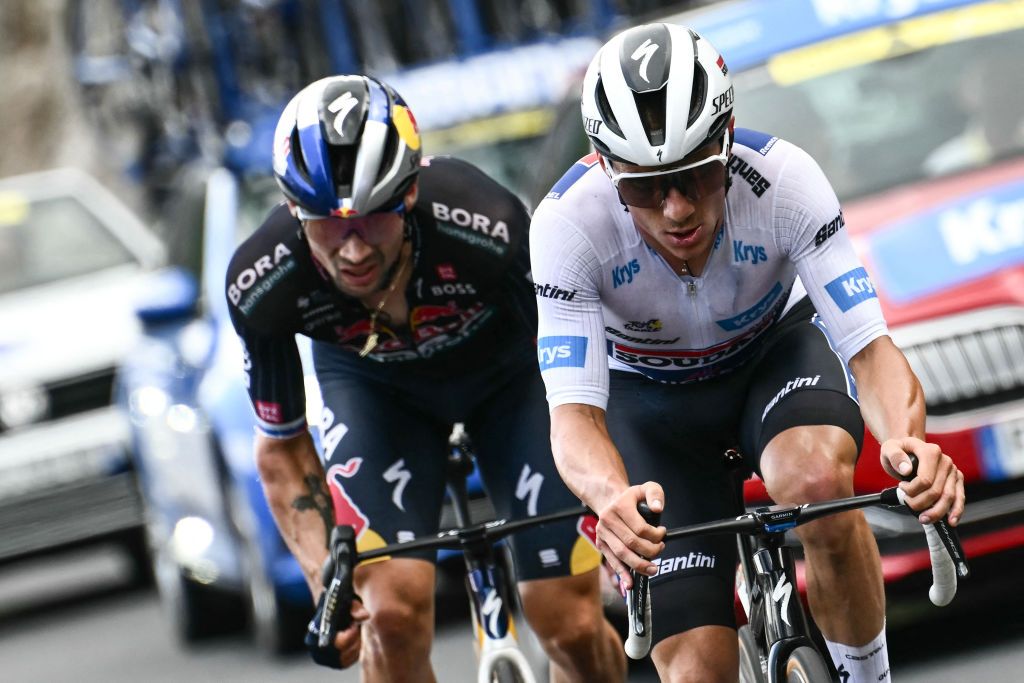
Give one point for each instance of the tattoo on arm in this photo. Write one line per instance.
(319, 499)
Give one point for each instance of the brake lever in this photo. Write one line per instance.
(337, 579)
(946, 533)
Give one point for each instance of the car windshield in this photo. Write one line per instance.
(928, 101)
(45, 240)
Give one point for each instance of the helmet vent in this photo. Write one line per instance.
(390, 150)
(296, 149)
(343, 163)
(651, 107)
(605, 109)
(699, 93)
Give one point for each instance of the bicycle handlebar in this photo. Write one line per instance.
(945, 552)
(338, 569)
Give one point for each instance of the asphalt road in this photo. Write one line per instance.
(79, 621)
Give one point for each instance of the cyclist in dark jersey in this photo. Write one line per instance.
(411, 277)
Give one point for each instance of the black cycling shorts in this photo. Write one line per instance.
(676, 434)
(384, 437)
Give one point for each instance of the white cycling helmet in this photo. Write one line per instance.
(655, 93)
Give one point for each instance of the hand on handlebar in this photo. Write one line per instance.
(624, 538)
(333, 636)
(343, 651)
(937, 490)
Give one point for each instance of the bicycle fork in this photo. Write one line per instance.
(493, 622)
(775, 603)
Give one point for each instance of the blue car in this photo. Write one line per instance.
(216, 553)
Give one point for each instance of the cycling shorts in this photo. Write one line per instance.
(676, 434)
(384, 437)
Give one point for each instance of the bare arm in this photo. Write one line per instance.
(892, 402)
(592, 468)
(891, 398)
(296, 491)
(585, 456)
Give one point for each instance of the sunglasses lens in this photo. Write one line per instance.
(643, 193)
(695, 183)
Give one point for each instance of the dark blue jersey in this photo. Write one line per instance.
(470, 298)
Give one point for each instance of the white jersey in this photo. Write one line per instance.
(607, 300)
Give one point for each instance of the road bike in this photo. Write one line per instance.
(780, 641)
(490, 576)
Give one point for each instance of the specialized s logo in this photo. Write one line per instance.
(781, 594)
(561, 352)
(342, 106)
(623, 275)
(643, 55)
(744, 253)
(851, 288)
(399, 475)
(528, 489)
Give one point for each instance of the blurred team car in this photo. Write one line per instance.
(217, 556)
(915, 110)
(71, 256)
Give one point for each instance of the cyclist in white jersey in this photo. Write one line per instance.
(697, 290)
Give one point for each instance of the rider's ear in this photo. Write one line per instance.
(412, 194)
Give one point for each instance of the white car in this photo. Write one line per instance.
(72, 257)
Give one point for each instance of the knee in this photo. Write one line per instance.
(401, 616)
(808, 464)
(812, 479)
(405, 624)
(574, 635)
(569, 622)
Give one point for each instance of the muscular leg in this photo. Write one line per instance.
(399, 595)
(707, 654)
(844, 572)
(567, 616)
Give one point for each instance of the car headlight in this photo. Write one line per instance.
(23, 405)
(149, 401)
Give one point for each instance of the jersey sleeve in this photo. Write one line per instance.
(570, 343)
(273, 378)
(810, 227)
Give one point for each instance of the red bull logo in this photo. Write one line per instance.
(345, 509)
(585, 555)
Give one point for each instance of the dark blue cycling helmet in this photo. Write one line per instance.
(346, 146)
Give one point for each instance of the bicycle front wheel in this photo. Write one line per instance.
(805, 665)
(505, 672)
